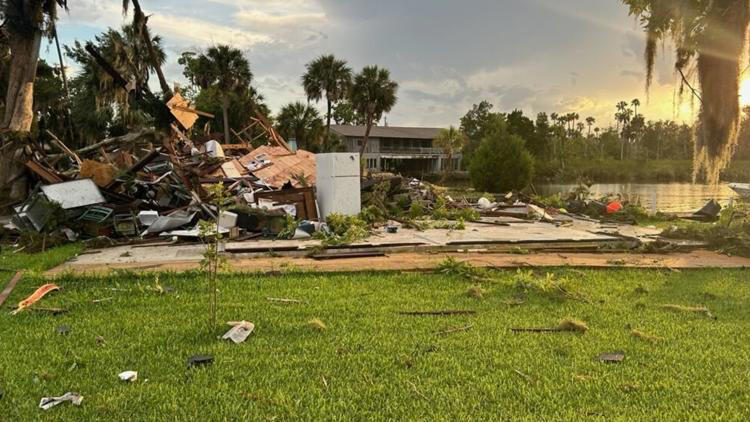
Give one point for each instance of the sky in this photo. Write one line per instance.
(535, 55)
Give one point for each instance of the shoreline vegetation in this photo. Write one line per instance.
(611, 171)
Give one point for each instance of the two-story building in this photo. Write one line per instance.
(402, 149)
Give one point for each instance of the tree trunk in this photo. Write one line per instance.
(19, 99)
(367, 138)
(225, 112)
(328, 126)
(18, 116)
(143, 20)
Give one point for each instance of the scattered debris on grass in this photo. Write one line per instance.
(573, 325)
(199, 360)
(49, 402)
(283, 300)
(35, 297)
(130, 376)
(106, 299)
(643, 336)
(455, 330)
(445, 312)
(566, 325)
(416, 390)
(525, 376)
(514, 301)
(550, 285)
(239, 332)
(476, 292)
(688, 309)
(316, 324)
(614, 357)
(454, 267)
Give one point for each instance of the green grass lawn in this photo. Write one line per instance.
(11, 262)
(372, 363)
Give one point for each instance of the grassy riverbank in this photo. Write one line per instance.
(372, 362)
(630, 171)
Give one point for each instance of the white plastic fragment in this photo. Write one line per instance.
(128, 376)
(49, 402)
(239, 332)
(485, 203)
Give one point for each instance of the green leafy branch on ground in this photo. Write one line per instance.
(730, 235)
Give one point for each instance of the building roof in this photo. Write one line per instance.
(284, 165)
(387, 132)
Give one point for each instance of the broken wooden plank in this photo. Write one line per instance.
(46, 174)
(9, 288)
(442, 312)
(346, 255)
(60, 144)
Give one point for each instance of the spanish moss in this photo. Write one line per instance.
(712, 38)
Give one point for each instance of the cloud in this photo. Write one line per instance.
(263, 19)
(200, 32)
(535, 55)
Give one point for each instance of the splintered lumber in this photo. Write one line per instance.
(43, 172)
(442, 312)
(64, 147)
(128, 138)
(9, 288)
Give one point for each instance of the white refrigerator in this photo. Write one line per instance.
(338, 183)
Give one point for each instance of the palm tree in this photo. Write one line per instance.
(590, 122)
(301, 122)
(623, 119)
(222, 68)
(635, 103)
(373, 93)
(93, 88)
(328, 75)
(450, 140)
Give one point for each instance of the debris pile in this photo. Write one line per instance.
(145, 184)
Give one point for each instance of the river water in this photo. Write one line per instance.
(667, 197)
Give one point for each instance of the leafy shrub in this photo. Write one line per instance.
(501, 163)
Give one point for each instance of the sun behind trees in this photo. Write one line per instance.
(710, 37)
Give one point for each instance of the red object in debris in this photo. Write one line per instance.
(614, 207)
(38, 294)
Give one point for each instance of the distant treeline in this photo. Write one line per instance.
(567, 147)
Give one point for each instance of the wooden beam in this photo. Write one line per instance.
(192, 110)
(9, 288)
(43, 172)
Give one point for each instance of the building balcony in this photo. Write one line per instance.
(411, 151)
